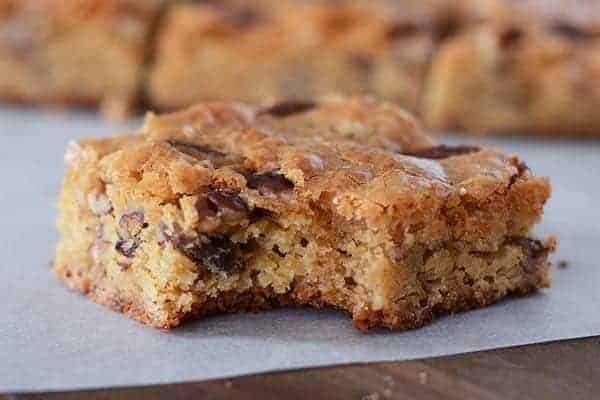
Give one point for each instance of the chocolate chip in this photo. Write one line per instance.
(343, 252)
(349, 281)
(193, 149)
(259, 213)
(533, 250)
(278, 251)
(269, 182)
(442, 151)
(287, 108)
(511, 37)
(303, 242)
(219, 199)
(401, 30)
(569, 31)
(127, 247)
(218, 254)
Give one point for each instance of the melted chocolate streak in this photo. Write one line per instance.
(443, 151)
(181, 145)
(287, 108)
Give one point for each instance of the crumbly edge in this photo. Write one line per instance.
(508, 276)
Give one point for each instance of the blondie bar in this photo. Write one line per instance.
(518, 75)
(257, 50)
(79, 52)
(340, 202)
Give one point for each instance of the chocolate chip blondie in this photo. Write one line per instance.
(77, 52)
(257, 50)
(340, 202)
(520, 74)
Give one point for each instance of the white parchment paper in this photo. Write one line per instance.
(52, 338)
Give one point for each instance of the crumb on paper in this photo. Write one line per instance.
(423, 377)
(562, 264)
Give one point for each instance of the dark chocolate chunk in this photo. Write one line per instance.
(534, 250)
(569, 31)
(259, 213)
(127, 247)
(511, 37)
(442, 151)
(287, 108)
(402, 30)
(269, 182)
(225, 199)
(349, 282)
(218, 254)
(343, 252)
(193, 149)
(278, 251)
(303, 242)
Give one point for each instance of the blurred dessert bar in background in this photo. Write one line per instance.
(518, 66)
(518, 74)
(75, 52)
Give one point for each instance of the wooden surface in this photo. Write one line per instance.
(563, 370)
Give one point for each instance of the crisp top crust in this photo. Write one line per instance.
(325, 137)
(303, 124)
(362, 159)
